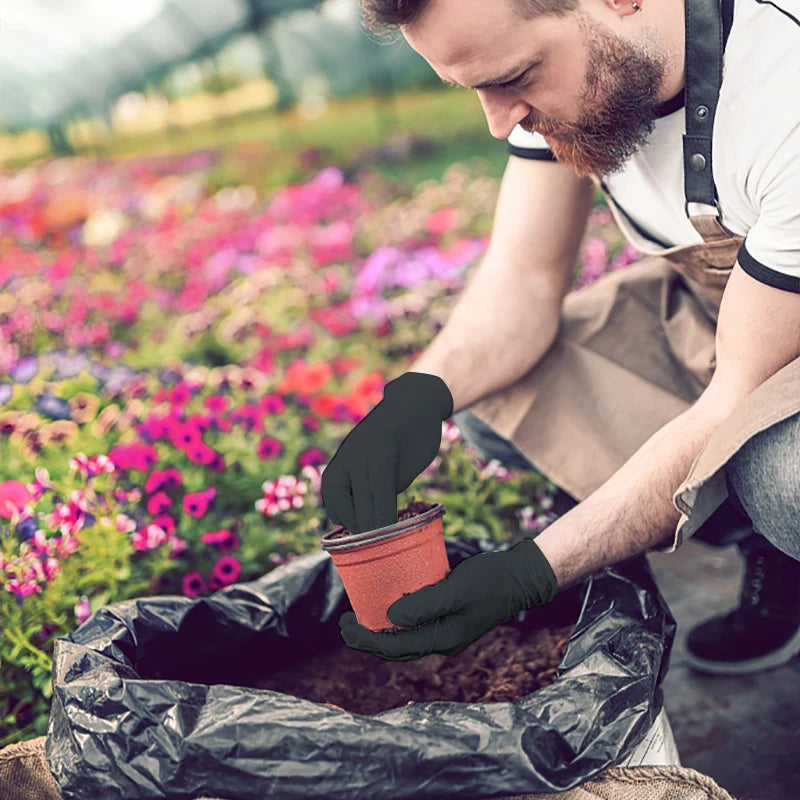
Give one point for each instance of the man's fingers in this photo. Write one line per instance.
(337, 497)
(383, 486)
(388, 645)
(362, 502)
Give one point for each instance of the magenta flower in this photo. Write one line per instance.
(201, 422)
(223, 424)
(163, 480)
(158, 503)
(264, 361)
(312, 457)
(269, 448)
(248, 416)
(200, 453)
(216, 403)
(176, 546)
(13, 497)
(197, 504)
(310, 423)
(134, 456)
(224, 540)
(89, 467)
(150, 538)
(154, 428)
(225, 572)
(82, 610)
(166, 522)
(22, 588)
(272, 404)
(218, 463)
(180, 395)
(183, 435)
(193, 584)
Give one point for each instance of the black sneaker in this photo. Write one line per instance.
(763, 631)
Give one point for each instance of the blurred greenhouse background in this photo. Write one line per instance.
(80, 77)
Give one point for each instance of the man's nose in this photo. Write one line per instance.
(502, 114)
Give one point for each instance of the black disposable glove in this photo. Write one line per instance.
(385, 452)
(480, 592)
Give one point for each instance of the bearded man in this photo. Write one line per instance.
(664, 399)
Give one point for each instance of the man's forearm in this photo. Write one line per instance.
(499, 328)
(633, 510)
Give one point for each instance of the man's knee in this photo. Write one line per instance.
(764, 478)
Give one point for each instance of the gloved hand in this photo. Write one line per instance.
(385, 452)
(480, 592)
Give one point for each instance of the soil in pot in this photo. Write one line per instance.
(508, 662)
(413, 509)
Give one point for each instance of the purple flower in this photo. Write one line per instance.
(82, 610)
(25, 370)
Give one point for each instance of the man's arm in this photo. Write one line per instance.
(508, 315)
(758, 332)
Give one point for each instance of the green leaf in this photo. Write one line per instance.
(99, 600)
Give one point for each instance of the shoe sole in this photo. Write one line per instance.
(777, 658)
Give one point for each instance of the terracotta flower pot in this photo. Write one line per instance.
(380, 566)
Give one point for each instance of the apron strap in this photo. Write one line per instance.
(706, 36)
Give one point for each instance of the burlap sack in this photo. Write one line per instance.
(24, 775)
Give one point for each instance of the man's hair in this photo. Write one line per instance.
(386, 16)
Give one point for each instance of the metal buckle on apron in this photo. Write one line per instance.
(716, 205)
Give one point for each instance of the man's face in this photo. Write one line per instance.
(593, 88)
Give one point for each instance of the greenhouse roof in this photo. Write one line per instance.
(61, 57)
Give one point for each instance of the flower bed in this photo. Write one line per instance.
(178, 365)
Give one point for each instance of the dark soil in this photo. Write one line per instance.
(508, 662)
(413, 509)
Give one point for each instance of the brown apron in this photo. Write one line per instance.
(637, 347)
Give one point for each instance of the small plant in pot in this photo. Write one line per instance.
(378, 567)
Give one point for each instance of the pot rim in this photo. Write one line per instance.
(378, 534)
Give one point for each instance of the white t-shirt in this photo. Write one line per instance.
(755, 151)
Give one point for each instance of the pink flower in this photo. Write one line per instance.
(166, 522)
(13, 497)
(248, 416)
(149, 539)
(154, 428)
(281, 495)
(443, 220)
(22, 588)
(312, 457)
(82, 610)
(217, 464)
(310, 423)
(124, 524)
(89, 467)
(216, 403)
(163, 480)
(134, 456)
(225, 572)
(197, 504)
(183, 435)
(201, 453)
(201, 422)
(180, 395)
(269, 448)
(224, 540)
(158, 503)
(193, 584)
(176, 546)
(271, 404)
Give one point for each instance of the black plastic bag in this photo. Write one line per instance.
(143, 704)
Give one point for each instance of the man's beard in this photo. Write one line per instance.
(620, 98)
